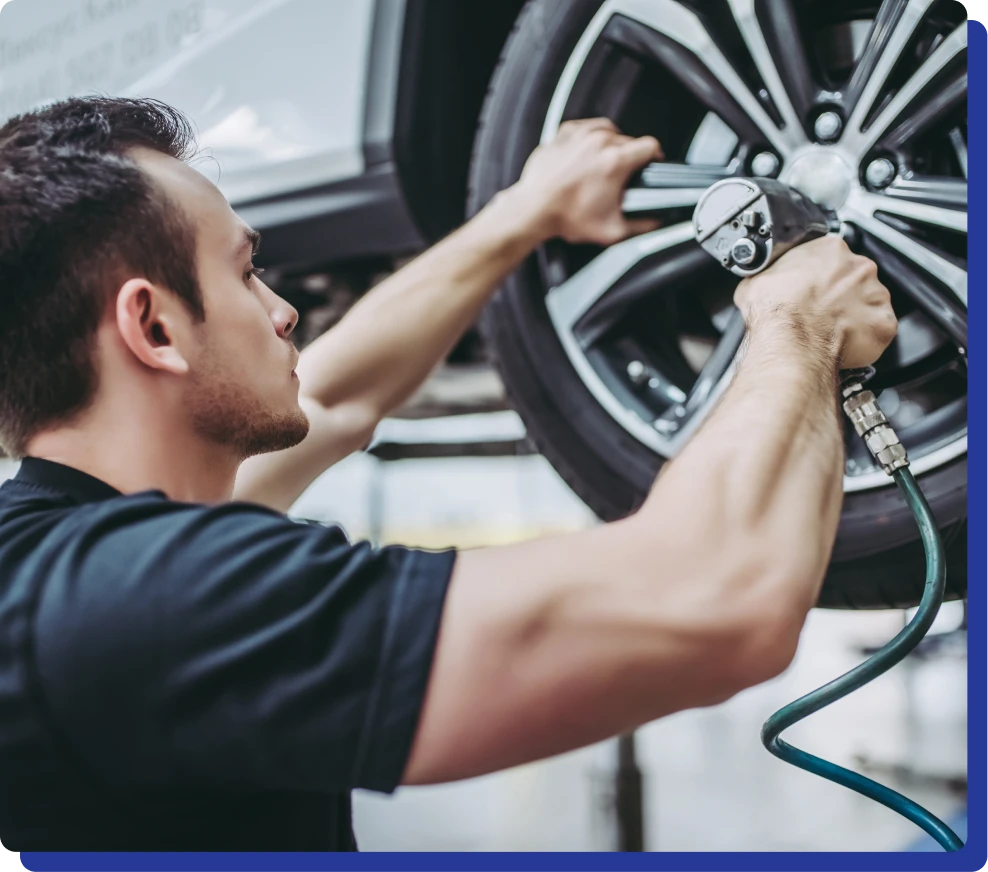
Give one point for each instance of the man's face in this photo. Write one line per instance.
(242, 388)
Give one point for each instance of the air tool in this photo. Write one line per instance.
(748, 224)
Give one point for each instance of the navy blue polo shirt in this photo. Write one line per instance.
(187, 677)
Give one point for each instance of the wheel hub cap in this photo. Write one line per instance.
(823, 176)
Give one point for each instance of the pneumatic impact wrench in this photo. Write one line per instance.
(748, 224)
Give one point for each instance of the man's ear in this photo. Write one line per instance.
(150, 320)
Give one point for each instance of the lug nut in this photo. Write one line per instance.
(827, 126)
(744, 252)
(765, 164)
(637, 372)
(880, 172)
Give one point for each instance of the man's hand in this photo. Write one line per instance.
(831, 294)
(576, 182)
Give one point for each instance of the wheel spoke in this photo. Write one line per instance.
(675, 36)
(930, 189)
(569, 302)
(951, 219)
(940, 103)
(960, 148)
(882, 27)
(781, 20)
(664, 186)
(858, 142)
(881, 54)
(860, 210)
(681, 421)
(944, 312)
(639, 200)
(685, 264)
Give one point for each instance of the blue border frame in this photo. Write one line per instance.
(974, 854)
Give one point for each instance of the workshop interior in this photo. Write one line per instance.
(355, 133)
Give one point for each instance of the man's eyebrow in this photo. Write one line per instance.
(251, 240)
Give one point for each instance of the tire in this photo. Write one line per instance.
(877, 559)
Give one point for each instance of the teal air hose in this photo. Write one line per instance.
(886, 657)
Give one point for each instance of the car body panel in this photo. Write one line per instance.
(275, 88)
(345, 125)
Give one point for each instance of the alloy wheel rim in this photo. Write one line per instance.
(899, 91)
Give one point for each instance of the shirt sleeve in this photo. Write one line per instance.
(232, 648)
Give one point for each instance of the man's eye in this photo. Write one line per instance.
(253, 271)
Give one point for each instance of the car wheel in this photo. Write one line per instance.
(613, 357)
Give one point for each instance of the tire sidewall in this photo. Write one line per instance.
(555, 403)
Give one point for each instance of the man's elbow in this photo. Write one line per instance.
(363, 428)
(760, 632)
(771, 644)
(348, 427)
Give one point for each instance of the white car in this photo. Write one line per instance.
(351, 131)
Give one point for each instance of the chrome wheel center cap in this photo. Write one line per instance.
(823, 176)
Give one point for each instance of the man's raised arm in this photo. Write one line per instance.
(388, 343)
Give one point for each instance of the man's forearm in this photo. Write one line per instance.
(387, 345)
(768, 466)
(555, 643)
(728, 552)
(698, 595)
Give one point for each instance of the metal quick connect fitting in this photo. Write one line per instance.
(870, 423)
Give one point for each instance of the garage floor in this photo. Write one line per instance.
(709, 785)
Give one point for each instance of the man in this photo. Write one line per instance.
(182, 671)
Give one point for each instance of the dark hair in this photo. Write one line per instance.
(78, 217)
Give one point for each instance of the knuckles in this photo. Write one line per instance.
(890, 327)
(866, 267)
(610, 161)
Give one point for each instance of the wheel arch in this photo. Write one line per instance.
(449, 51)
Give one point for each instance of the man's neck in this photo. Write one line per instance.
(183, 467)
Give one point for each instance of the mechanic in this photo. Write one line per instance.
(183, 667)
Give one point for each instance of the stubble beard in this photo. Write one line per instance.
(226, 413)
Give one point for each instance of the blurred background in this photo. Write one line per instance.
(354, 133)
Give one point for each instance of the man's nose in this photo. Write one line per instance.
(285, 317)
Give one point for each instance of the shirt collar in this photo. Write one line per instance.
(79, 485)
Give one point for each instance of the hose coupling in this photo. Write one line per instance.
(870, 423)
